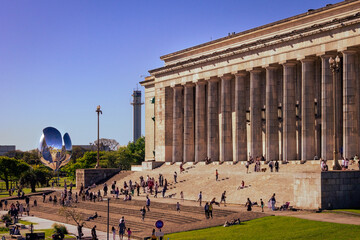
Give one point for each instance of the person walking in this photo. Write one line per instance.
(248, 205)
(129, 233)
(175, 177)
(247, 166)
(277, 166)
(206, 208)
(211, 210)
(223, 197)
(122, 228)
(273, 202)
(105, 189)
(200, 198)
(148, 203)
(216, 175)
(262, 205)
(182, 196)
(271, 165)
(143, 212)
(93, 233)
(113, 230)
(178, 207)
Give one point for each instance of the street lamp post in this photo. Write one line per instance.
(98, 142)
(108, 217)
(335, 68)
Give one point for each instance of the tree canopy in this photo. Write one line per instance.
(124, 157)
(11, 169)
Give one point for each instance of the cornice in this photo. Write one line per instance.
(310, 12)
(259, 44)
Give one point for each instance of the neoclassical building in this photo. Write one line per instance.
(265, 91)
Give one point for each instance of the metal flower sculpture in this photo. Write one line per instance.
(52, 151)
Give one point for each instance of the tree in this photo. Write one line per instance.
(34, 177)
(105, 143)
(77, 217)
(11, 169)
(30, 157)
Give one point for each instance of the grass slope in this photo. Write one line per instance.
(274, 227)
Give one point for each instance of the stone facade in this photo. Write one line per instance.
(266, 91)
(340, 189)
(88, 177)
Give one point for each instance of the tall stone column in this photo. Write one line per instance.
(255, 113)
(189, 124)
(213, 120)
(240, 116)
(177, 147)
(200, 122)
(289, 112)
(226, 137)
(327, 113)
(308, 110)
(271, 116)
(351, 134)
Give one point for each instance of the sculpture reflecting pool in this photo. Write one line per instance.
(52, 151)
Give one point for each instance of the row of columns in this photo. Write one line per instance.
(199, 132)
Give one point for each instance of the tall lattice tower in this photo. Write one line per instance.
(137, 114)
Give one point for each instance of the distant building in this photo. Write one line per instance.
(85, 147)
(92, 147)
(6, 148)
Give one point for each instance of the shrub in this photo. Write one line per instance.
(6, 218)
(60, 229)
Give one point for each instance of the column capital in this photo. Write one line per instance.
(349, 51)
(200, 82)
(177, 87)
(289, 64)
(188, 84)
(241, 74)
(310, 59)
(213, 79)
(326, 56)
(227, 77)
(256, 70)
(271, 67)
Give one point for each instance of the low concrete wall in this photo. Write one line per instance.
(90, 176)
(136, 168)
(149, 165)
(340, 189)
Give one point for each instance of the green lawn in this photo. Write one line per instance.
(6, 193)
(349, 210)
(26, 222)
(274, 227)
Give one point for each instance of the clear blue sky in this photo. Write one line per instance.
(60, 59)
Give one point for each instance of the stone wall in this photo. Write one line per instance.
(327, 190)
(340, 189)
(91, 176)
(307, 190)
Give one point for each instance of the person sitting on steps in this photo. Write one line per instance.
(92, 217)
